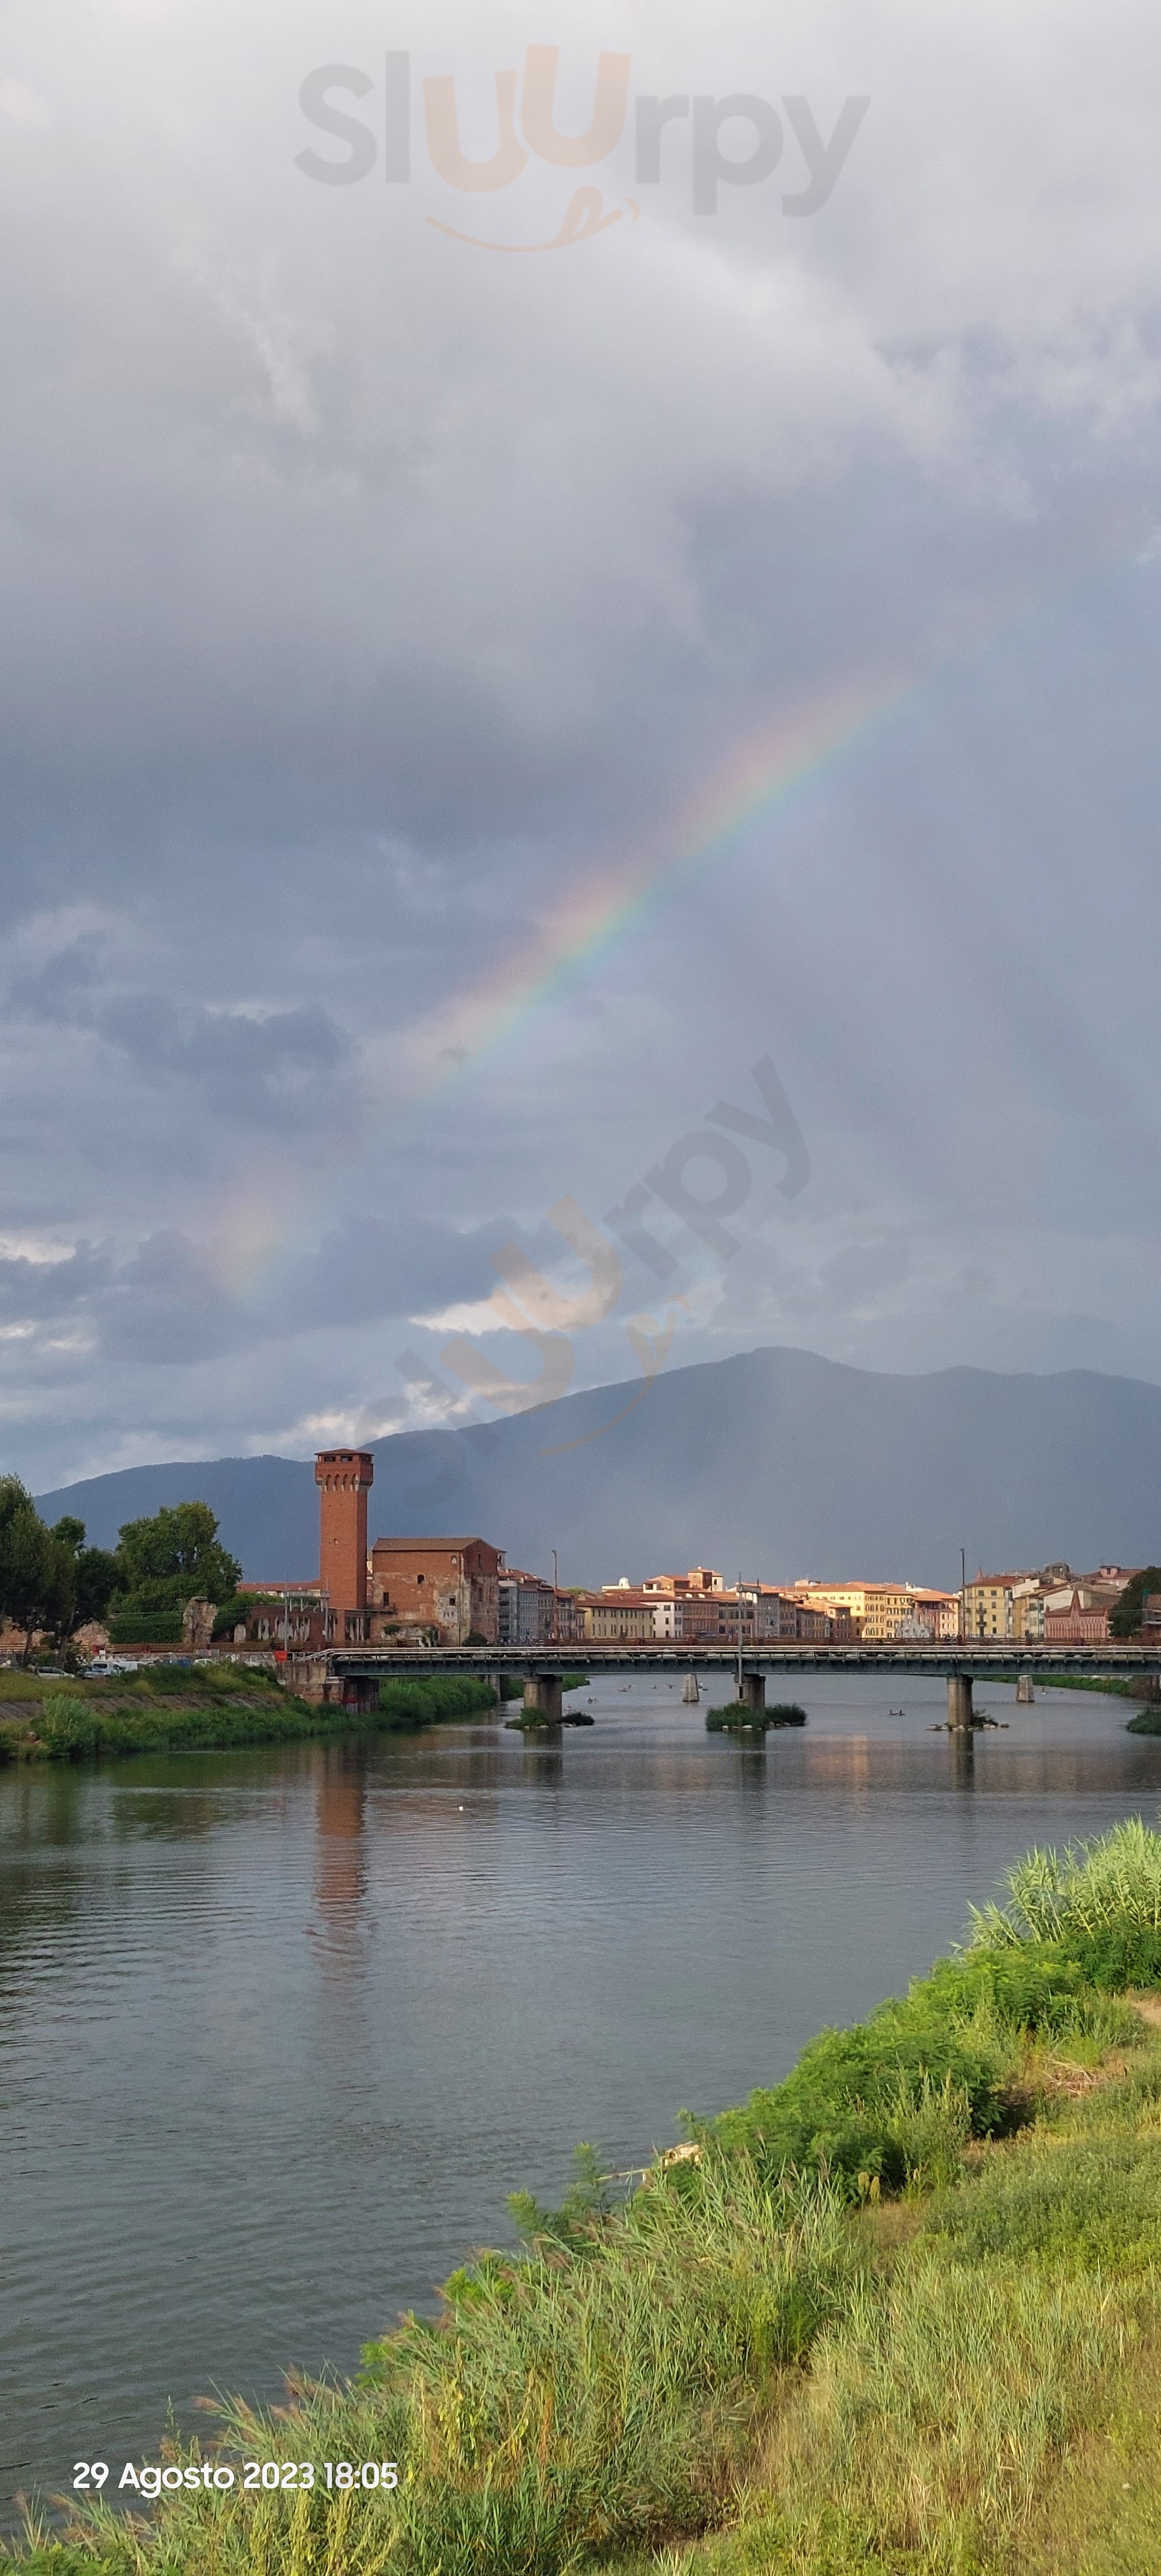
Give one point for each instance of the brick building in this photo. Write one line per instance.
(766, 1614)
(1077, 1622)
(700, 1578)
(448, 1584)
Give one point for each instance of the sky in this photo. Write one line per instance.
(517, 613)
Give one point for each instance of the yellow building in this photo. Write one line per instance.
(1028, 1601)
(994, 1605)
(881, 1609)
(621, 1617)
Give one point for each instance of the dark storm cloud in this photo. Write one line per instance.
(373, 1267)
(166, 1305)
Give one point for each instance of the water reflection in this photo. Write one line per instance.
(341, 1869)
(340, 1810)
(962, 1751)
(847, 1762)
(544, 1757)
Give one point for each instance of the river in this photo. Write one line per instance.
(280, 2028)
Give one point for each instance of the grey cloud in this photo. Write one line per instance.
(47, 1291)
(280, 1068)
(61, 991)
(165, 1304)
(228, 1052)
(372, 610)
(861, 1272)
(371, 1267)
(161, 1303)
(164, 1307)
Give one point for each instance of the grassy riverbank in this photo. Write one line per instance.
(203, 1708)
(406, 1705)
(1137, 1687)
(899, 2313)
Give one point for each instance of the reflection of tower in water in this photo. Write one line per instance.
(340, 1878)
(962, 1744)
(544, 1757)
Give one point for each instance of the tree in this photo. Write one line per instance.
(33, 1565)
(174, 1557)
(96, 1574)
(56, 1609)
(49, 1579)
(1125, 1619)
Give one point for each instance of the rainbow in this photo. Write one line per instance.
(602, 908)
(256, 1224)
(609, 902)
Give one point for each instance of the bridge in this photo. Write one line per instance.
(352, 1674)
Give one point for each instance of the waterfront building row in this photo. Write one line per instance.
(1051, 1607)
(459, 1590)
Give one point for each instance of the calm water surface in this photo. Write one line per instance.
(279, 2029)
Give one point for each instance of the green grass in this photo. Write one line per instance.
(203, 1708)
(772, 2358)
(1092, 2204)
(411, 1704)
(861, 2103)
(1099, 1903)
(1107, 1686)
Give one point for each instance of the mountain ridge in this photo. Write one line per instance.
(776, 1461)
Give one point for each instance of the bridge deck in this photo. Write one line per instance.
(901, 1656)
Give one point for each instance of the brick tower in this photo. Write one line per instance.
(344, 1478)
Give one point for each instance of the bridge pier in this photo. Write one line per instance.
(544, 1697)
(959, 1700)
(752, 1692)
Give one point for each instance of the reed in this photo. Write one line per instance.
(569, 2402)
(736, 1717)
(407, 1704)
(1099, 1902)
